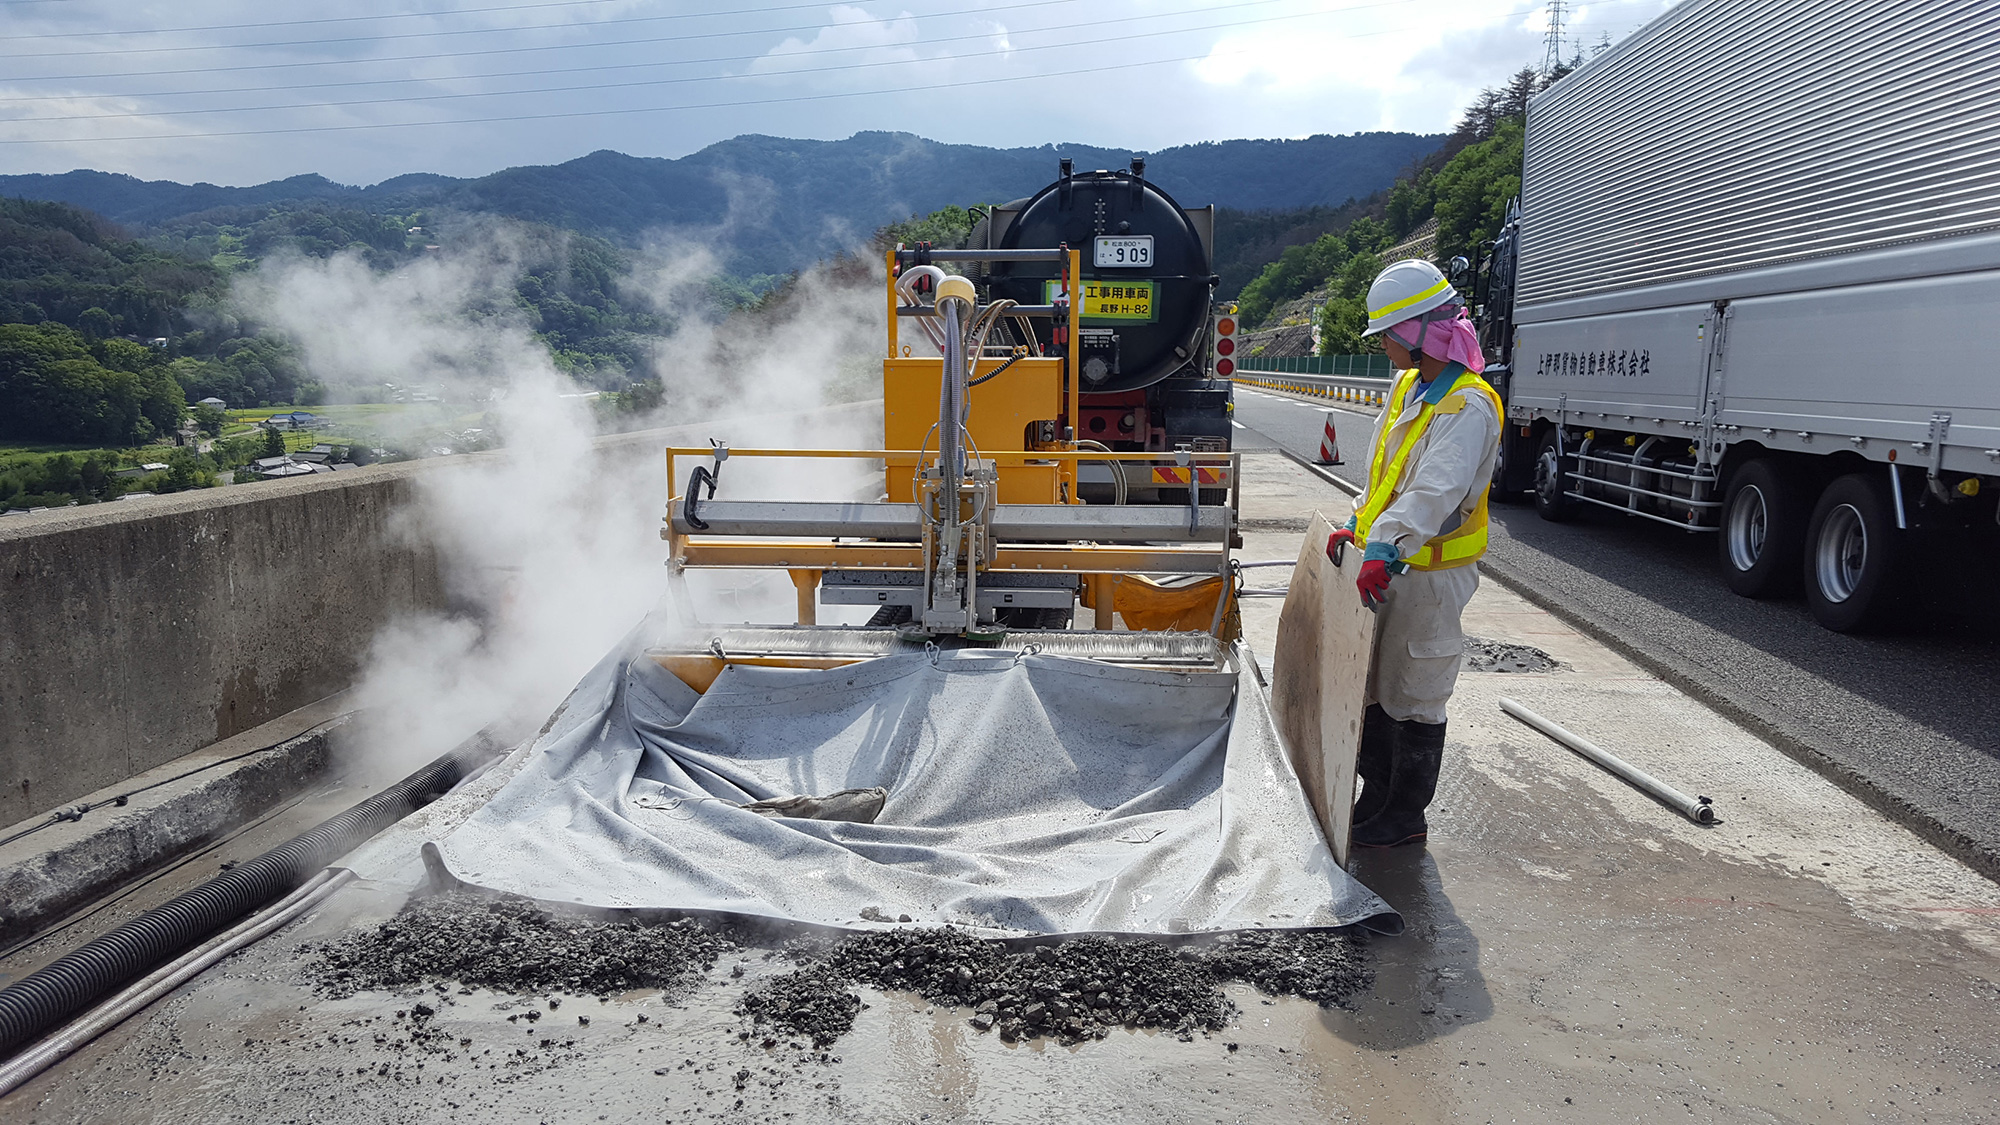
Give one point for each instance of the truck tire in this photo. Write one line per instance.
(1513, 468)
(1551, 482)
(1853, 555)
(1763, 532)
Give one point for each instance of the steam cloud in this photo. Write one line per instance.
(549, 549)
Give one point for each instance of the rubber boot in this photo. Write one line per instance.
(1412, 784)
(1374, 761)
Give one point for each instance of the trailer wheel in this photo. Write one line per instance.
(1853, 551)
(1513, 468)
(1551, 481)
(1763, 530)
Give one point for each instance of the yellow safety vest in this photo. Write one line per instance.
(1464, 543)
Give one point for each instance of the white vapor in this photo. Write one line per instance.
(548, 549)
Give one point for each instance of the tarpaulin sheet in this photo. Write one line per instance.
(1026, 794)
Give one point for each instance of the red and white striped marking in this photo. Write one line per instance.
(1329, 442)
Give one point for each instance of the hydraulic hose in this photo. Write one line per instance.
(1119, 487)
(52, 994)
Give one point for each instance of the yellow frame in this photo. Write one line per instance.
(807, 559)
(1072, 371)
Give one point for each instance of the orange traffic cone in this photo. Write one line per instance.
(1329, 443)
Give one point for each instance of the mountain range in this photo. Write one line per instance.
(772, 204)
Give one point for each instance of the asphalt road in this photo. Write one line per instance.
(1908, 721)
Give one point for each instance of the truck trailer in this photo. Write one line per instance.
(1752, 288)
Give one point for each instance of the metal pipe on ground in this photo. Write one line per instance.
(44, 999)
(1698, 809)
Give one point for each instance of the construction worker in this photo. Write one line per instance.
(1421, 525)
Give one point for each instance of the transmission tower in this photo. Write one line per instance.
(1552, 55)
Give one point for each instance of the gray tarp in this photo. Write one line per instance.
(1027, 793)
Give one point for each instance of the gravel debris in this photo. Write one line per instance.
(814, 1002)
(509, 944)
(1069, 991)
(1326, 968)
(1482, 655)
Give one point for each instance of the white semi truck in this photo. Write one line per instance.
(1752, 289)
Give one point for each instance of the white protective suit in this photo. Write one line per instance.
(1419, 642)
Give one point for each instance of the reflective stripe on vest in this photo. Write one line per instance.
(1462, 544)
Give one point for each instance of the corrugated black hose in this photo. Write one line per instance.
(53, 994)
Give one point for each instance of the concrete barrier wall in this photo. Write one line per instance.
(135, 632)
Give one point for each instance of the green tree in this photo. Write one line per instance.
(187, 469)
(1474, 188)
(209, 420)
(274, 442)
(95, 323)
(1355, 278)
(1410, 203)
(53, 388)
(948, 227)
(1341, 322)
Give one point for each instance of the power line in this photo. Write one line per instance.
(481, 51)
(627, 111)
(353, 19)
(616, 112)
(1095, 41)
(613, 66)
(466, 31)
(1094, 24)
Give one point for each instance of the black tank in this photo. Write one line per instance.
(1140, 322)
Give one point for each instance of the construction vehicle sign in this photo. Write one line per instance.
(1113, 300)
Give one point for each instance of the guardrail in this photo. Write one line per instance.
(1360, 366)
(1358, 390)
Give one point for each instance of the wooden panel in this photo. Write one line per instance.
(1326, 638)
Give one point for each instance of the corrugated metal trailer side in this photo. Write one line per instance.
(1768, 232)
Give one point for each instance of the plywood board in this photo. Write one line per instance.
(1326, 638)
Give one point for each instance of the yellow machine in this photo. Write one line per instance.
(978, 535)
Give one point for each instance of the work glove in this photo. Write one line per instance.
(1373, 583)
(1338, 541)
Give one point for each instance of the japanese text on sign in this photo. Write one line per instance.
(1616, 363)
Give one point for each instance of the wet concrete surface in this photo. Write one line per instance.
(1574, 951)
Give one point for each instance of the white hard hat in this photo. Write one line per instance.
(1406, 289)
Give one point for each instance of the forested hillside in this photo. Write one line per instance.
(103, 337)
(766, 205)
(1466, 185)
(111, 326)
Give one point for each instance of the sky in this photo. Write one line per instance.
(244, 91)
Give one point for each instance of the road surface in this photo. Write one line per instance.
(1910, 722)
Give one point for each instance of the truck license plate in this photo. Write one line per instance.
(1122, 250)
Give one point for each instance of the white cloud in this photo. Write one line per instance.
(1210, 71)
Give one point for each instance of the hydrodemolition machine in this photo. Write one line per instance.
(981, 539)
(968, 757)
